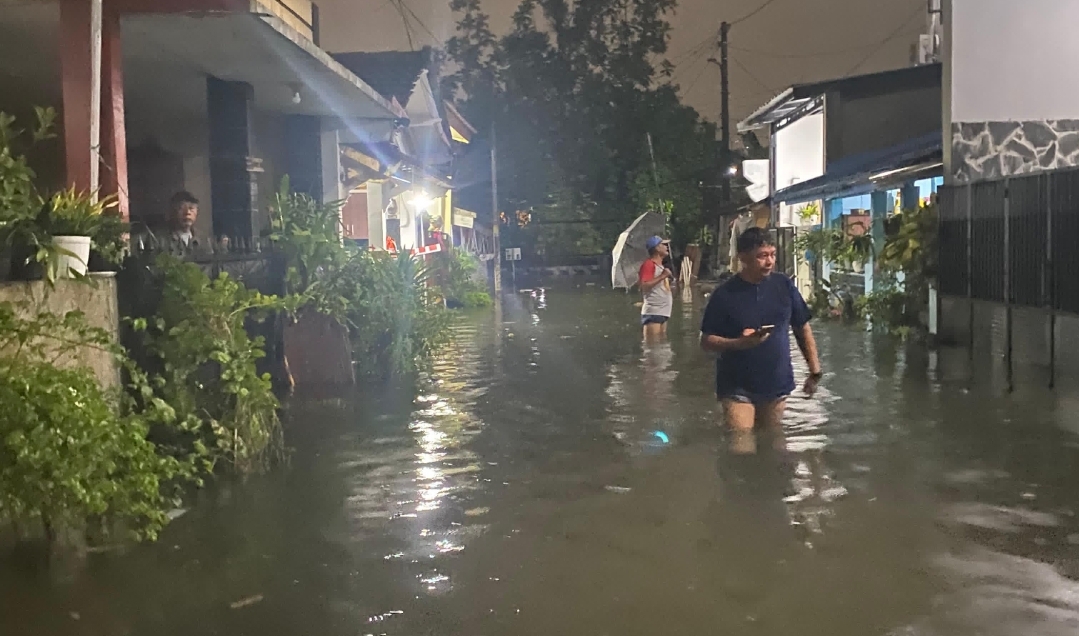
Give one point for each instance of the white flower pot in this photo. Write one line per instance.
(68, 266)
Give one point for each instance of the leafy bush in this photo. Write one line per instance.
(457, 276)
(383, 300)
(207, 362)
(308, 233)
(476, 299)
(69, 449)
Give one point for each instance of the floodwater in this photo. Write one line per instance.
(556, 477)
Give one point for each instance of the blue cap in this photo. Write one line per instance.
(654, 242)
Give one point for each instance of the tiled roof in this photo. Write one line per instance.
(392, 73)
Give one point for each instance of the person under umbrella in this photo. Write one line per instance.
(656, 281)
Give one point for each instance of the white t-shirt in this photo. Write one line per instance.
(660, 300)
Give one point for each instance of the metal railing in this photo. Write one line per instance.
(1013, 242)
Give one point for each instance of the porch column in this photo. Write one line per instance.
(233, 172)
(75, 70)
(332, 187)
(303, 148)
(879, 212)
(376, 219)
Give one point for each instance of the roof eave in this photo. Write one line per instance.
(758, 119)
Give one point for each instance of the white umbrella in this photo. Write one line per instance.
(629, 252)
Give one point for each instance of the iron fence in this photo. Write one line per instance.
(254, 263)
(1012, 244)
(1013, 241)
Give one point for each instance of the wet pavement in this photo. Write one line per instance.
(554, 476)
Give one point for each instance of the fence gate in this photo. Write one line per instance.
(1013, 242)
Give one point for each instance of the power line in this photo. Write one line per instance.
(404, 21)
(695, 52)
(693, 84)
(751, 74)
(753, 12)
(419, 21)
(798, 56)
(891, 36)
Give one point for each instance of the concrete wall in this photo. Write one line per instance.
(1031, 338)
(863, 123)
(97, 301)
(1013, 87)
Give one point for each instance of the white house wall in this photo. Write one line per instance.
(799, 156)
(1014, 87)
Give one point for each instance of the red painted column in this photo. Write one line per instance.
(75, 68)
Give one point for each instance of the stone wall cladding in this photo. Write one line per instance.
(993, 150)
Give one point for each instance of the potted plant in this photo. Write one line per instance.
(859, 250)
(56, 243)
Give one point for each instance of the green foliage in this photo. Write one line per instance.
(19, 198)
(207, 363)
(886, 307)
(477, 299)
(835, 246)
(308, 233)
(29, 220)
(809, 212)
(391, 315)
(907, 264)
(393, 321)
(574, 88)
(69, 449)
(457, 274)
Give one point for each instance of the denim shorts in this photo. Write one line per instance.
(744, 397)
(652, 319)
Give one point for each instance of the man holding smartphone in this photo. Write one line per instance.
(747, 323)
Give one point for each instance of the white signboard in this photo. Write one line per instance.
(463, 218)
(513, 254)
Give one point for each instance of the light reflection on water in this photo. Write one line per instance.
(523, 490)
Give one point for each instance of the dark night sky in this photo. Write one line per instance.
(789, 41)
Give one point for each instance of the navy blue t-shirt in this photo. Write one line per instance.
(763, 372)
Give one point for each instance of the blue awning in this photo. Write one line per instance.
(870, 171)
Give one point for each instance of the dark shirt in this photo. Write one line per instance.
(763, 372)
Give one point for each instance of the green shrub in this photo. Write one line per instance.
(207, 362)
(393, 319)
(457, 275)
(476, 299)
(71, 450)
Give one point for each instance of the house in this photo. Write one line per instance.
(847, 152)
(221, 98)
(1009, 213)
(400, 193)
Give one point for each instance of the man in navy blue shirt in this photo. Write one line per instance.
(747, 322)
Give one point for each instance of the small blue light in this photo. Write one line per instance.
(662, 437)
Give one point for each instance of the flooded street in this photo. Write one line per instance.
(555, 477)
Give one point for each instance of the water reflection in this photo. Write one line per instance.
(506, 498)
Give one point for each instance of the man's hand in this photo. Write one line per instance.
(811, 383)
(667, 273)
(752, 338)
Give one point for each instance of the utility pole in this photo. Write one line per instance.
(496, 221)
(725, 138)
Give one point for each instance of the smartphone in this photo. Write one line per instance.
(766, 329)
